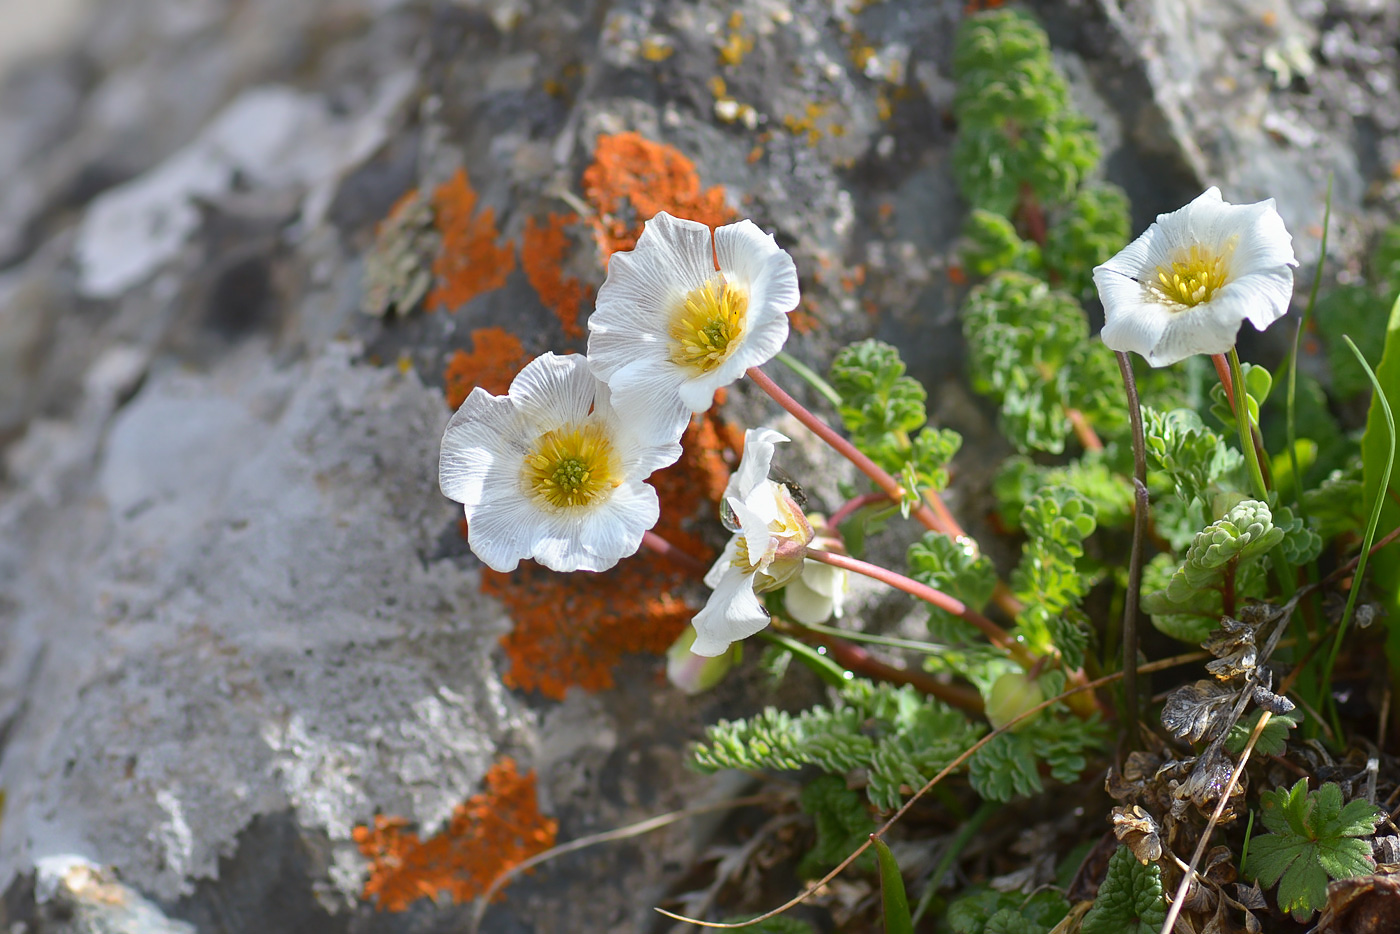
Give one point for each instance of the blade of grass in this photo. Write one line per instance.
(897, 920)
(810, 377)
(1370, 530)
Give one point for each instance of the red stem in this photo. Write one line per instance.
(851, 506)
(1083, 430)
(859, 660)
(998, 636)
(664, 548)
(937, 519)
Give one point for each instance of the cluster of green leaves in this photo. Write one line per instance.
(842, 821)
(983, 910)
(958, 569)
(1096, 476)
(1130, 901)
(1314, 838)
(1029, 348)
(1192, 457)
(884, 413)
(1359, 311)
(1048, 581)
(1227, 556)
(1017, 129)
(900, 739)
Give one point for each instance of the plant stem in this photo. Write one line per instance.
(937, 519)
(852, 506)
(664, 548)
(857, 659)
(1083, 430)
(998, 636)
(1141, 505)
(810, 376)
(1246, 427)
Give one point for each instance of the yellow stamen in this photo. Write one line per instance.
(1194, 277)
(708, 325)
(572, 466)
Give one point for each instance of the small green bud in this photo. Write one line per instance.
(1012, 695)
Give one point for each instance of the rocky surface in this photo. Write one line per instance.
(236, 617)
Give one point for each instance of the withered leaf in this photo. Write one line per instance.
(1137, 830)
(1192, 712)
(1273, 703)
(1207, 781)
(1365, 905)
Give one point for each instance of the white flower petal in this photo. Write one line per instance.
(753, 260)
(554, 390)
(475, 441)
(645, 395)
(723, 563)
(1209, 328)
(733, 612)
(614, 531)
(759, 446)
(754, 515)
(806, 605)
(504, 530)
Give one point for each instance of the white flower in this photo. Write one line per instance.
(550, 472)
(669, 329)
(766, 553)
(818, 595)
(1185, 285)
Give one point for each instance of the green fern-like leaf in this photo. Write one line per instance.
(1191, 455)
(958, 569)
(1048, 580)
(843, 823)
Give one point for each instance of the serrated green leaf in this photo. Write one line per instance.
(958, 569)
(1191, 455)
(1004, 769)
(1272, 741)
(1313, 837)
(1130, 901)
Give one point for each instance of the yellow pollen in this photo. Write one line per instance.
(1194, 277)
(572, 466)
(707, 327)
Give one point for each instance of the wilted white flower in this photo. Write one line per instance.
(820, 592)
(766, 553)
(1184, 286)
(549, 471)
(668, 329)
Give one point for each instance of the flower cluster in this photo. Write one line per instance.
(555, 470)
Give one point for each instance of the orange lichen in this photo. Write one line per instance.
(497, 355)
(488, 834)
(542, 251)
(632, 178)
(571, 630)
(470, 262)
(803, 321)
(956, 275)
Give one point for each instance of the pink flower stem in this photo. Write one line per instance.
(664, 548)
(852, 506)
(998, 636)
(937, 519)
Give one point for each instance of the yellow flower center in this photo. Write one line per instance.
(572, 466)
(1194, 277)
(708, 324)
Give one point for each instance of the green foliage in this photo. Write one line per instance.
(1048, 581)
(1094, 476)
(900, 737)
(1358, 312)
(1009, 765)
(986, 911)
(1191, 455)
(1301, 543)
(991, 244)
(892, 897)
(843, 822)
(1385, 264)
(1258, 381)
(882, 409)
(1018, 133)
(1272, 741)
(1336, 503)
(1246, 533)
(1375, 460)
(958, 569)
(1029, 349)
(1313, 838)
(1093, 227)
(1130, 901)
